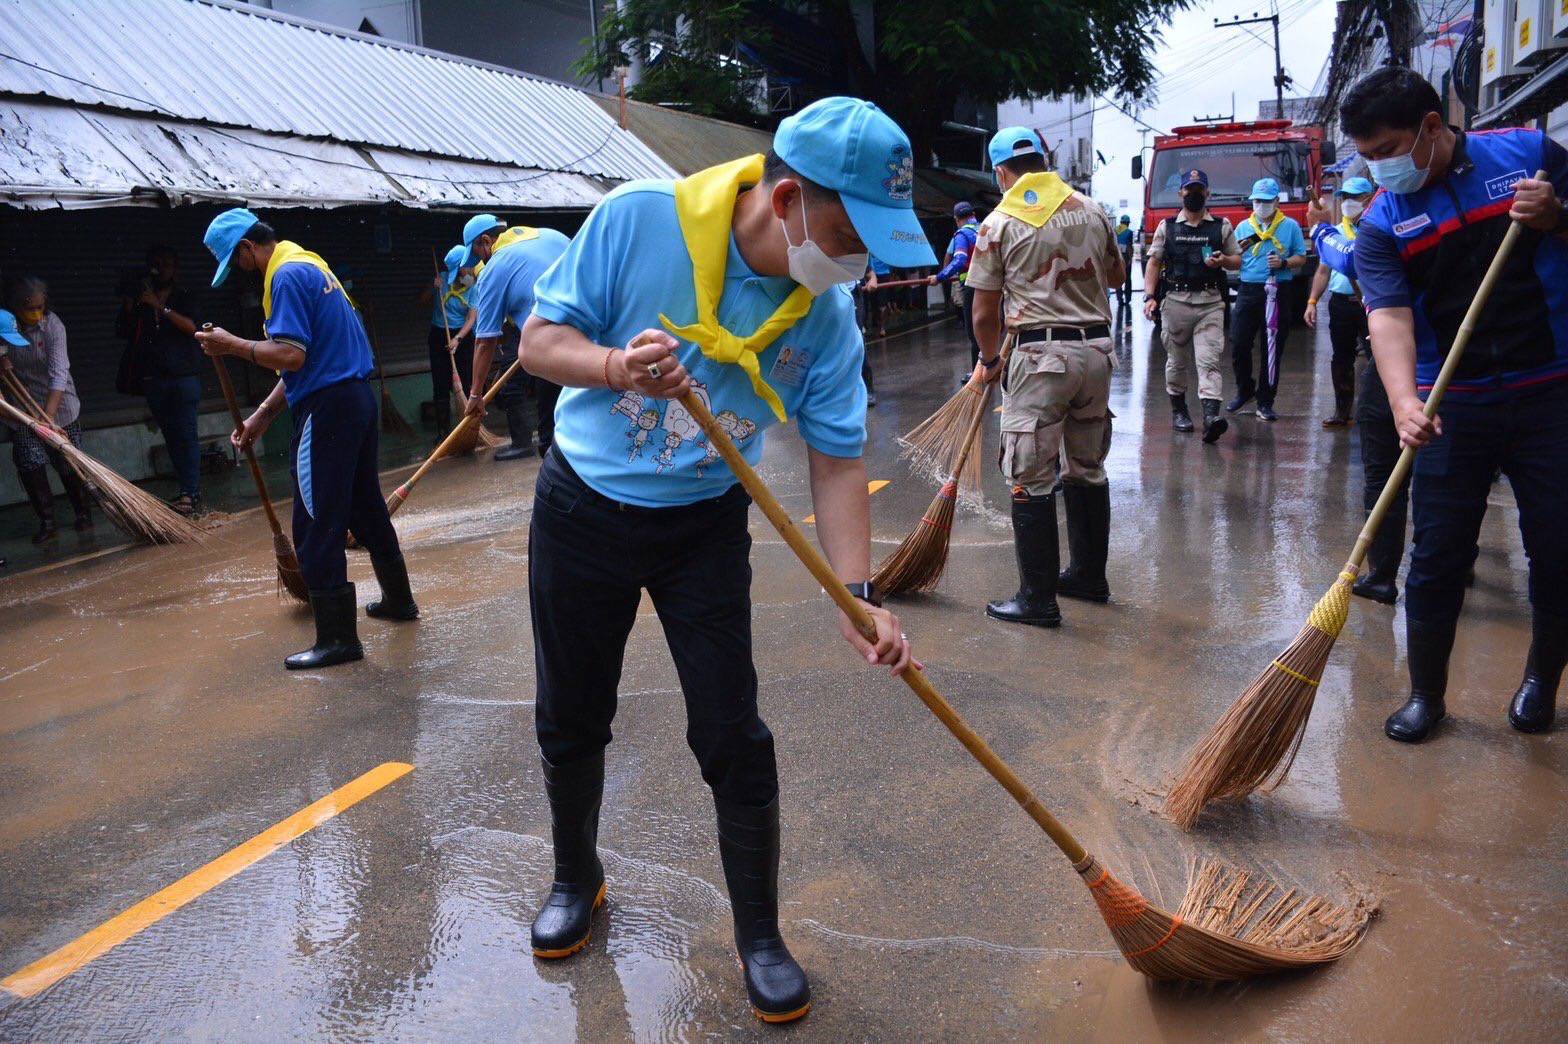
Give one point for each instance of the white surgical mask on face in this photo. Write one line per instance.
(1262, 209)
(1352, 208)
(810, 265)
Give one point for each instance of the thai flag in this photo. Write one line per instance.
(1452, 32)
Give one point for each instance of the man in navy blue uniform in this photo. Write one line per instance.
(314, 340)
(1420, 254)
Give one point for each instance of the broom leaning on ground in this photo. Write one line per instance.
(1254, 743)
(1228, 926)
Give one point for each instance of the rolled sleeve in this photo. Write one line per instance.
(1380, 271)
(1157, 244)
(293, 286)
(832, 414)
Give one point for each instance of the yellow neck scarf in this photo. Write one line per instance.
(515, 234)
(1049, 192)
(284, 253)
(1346, 227)
(705, 205)
(1266, 235)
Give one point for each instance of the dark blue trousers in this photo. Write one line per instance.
(173, 402)
(336, 488)
(1526, 436)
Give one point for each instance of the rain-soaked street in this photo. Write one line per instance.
(147, 728)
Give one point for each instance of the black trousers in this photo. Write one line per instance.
(589, 560)
(441, 366)
(969, 325)
(1379, 453)
(1249, 330)
(336, 488)
(1347, 328)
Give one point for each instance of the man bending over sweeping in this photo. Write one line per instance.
(728, 283)
(314, 340)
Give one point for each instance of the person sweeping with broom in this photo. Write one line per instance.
(726, 284)
(1054, 253)
(314, 339)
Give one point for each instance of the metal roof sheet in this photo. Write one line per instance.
(241, 66)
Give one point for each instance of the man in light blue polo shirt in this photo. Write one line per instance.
(1272, 248)
(632, 497)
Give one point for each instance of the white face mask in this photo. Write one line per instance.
(1352, 208)
(465, 279)
(812, 268)
(1262, 209)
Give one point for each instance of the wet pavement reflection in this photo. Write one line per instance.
(146, 727)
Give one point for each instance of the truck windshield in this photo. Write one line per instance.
(1232, 168)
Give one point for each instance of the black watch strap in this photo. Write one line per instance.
(865, 592)
(993, 361)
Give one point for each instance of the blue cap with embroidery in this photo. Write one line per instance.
(1014, 141)
(8, 331)
(475, 227)
(1355, 187)
(1195, 177)
(855, 149)
(1265, 188)
(223, 235)
(453, 261)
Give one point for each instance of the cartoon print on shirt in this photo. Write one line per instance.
(729, 424)
(629, 405)
(641, 428)
(665, 459)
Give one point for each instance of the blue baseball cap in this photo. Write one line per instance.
(8, 330)
(1195, 177)
(475, 227)
(224, 234)
(1014, 141)
(1265, 188)
(1355, 187)
(453, 261)
(855, 149)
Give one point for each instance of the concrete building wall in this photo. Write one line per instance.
(1066, 125)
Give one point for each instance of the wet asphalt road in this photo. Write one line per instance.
(147, 728)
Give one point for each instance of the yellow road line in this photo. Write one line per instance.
(871, 487)
(46, 971)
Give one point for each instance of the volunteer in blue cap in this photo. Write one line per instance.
(313, 338)
(955, 265)
(1347, 317)
(1052, 251)
(1272, 247)
(448, 340)
(730, 283)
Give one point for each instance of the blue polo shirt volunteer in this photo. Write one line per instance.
(451, 305)
(622, 270)
(505, 289)
(1287, 239)
(311, 311)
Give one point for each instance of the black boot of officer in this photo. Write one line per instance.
(1535, 704)
(396, 601)
(1039, 557)
(565, 921)
(1088, 542)
(1378, 583)
(1181, 420)
(749, 849)
(337, 641)
(521, 431)
(1426, 647)
(1213, 424)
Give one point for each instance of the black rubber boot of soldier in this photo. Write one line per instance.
(1181, 420)
(1535, 704)
(1088, 542)
(1039, 557)
(749, 849)
(1379, 582)
(522, 435)
(1213, 424)
(396, 601)
(337, 641)
(1427, 648)
(565, 921)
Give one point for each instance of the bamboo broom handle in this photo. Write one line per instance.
(38, 427)
(457, 381)
(24, 396)
(250, 454)
(1407, 456)
(401, 493)
(913, 676)
(979, 418)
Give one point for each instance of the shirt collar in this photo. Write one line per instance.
(776, 287)
(1182, 214)
(1459, 162)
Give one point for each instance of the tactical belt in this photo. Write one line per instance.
(1064, 333)
(1192, 288)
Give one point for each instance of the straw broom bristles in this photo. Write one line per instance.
(137, 512)
(934, 445)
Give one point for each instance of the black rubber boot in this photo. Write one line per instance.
(1181, 420)
(81, 500)
(336, 639)
(1426, 647)
(749, 849)
(1088, 542)
(36, 484)
(442, 408)
(522, 435)
(1039, 557)
(565, 921)
(1379, 582)
(1213, 424)
(1342, 403)
(396, 601)
(1241, 399)
(1535, 704)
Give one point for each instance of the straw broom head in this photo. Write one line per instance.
(290, 578)
(934, 447)
(392, 421)
(1230, 925)
(917, 563)
(1254, 743)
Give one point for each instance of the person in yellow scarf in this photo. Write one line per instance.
(1347, 317)
(730, 283)
(313, 339)
(1272, 251)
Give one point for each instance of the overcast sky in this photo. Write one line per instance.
(1200, 66)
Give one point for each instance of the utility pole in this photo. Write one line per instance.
(1280, 79)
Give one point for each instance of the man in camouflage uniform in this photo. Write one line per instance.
(1052, 252)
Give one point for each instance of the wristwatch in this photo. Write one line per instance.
(865, 592)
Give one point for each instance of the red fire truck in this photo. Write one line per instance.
(1234, 155)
